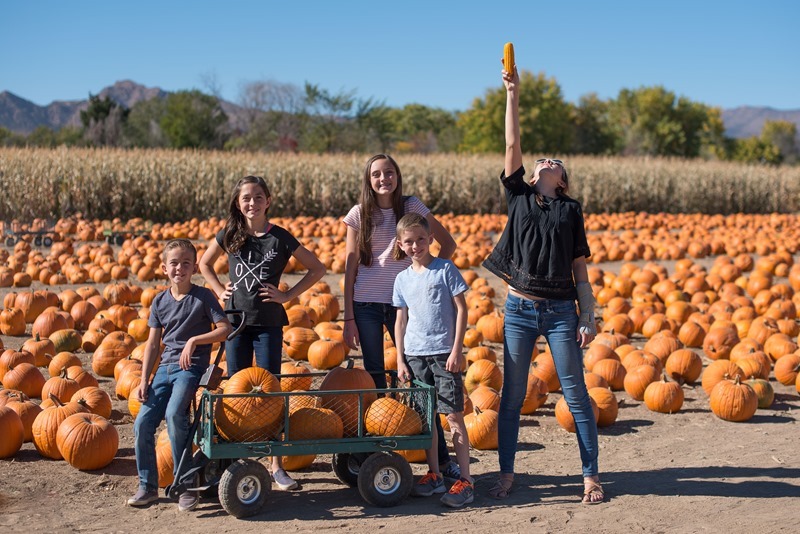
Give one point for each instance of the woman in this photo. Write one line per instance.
(542, 256)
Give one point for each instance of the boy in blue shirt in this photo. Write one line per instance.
(429, 331)
(181, 317)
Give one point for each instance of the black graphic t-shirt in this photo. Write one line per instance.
(259, 262)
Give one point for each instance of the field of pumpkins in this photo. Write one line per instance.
(697, 318)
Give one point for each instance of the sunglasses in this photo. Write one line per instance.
(556, 161)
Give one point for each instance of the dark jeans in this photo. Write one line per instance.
(370, 318)
(267, 342)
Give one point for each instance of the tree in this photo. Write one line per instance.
(420, 128)
(192, 119)
(652, 121)
(143, 128)
(593, 133)
(103, 121)
(42, 136)
(783, 136)
(545, 118)
(754, 150)
(335, 120)
(274, 115)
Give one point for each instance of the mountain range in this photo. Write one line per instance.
(23, 116)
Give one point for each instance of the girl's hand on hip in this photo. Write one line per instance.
(584, 336)
(270, 293)
(227, 293)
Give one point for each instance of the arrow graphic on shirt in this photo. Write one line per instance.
(267, 257)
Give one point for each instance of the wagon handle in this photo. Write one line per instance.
(388, 444)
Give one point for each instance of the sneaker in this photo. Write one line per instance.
(283, 480)
(462, 492)
(143, 497)
(428, 485)
(451, 472)
(188, 501)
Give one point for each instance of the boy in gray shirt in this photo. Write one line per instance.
(429, 331)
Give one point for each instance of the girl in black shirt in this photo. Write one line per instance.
(542, 256)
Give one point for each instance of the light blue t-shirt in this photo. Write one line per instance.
(428, 295)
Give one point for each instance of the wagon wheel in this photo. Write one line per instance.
(37, 241)
(211, 474)
(346, 466)
(385, 479)
(10, 241)
(243, 488)
(47, 241)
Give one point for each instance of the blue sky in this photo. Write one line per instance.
(722, 53)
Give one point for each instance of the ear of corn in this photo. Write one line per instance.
(508, 57)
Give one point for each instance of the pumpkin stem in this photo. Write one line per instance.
(55, 400)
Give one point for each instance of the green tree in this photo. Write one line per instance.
(754, 150)
(274, 114)
(192, 119)
(783, 136)
(103, 121)
(335, 121)
(143, 127)
(42, 136)
(423, 129)
(545, 118)
(593, 133)
(652, 121)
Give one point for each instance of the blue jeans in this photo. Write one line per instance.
(168, 397)
(525, 321)
(267, 342)
(370, 318)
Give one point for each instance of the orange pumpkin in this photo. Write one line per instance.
(389, 417)
(87, 441)
(346, 404)
(253, 417)
(12, 432)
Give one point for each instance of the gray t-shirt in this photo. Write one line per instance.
(428, 295)
(179, 320)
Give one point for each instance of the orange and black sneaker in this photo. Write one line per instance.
(428, 485)
(461, 493)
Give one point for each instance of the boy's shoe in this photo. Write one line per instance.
(461, 493)
(451, 472)
(428, 485)
(283, 480)
(143, 497)
(188, 501)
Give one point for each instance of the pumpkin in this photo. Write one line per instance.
(778, 345)
(94, 399)
(299, 461)
(87, 441)
(7, 395)
(564, 415)
(491, 327)
(303, 401)
(544, 367)
(46, 424)
(114, 347)
(346, 404)
(326, 353)
(481, 353)
(607, 406)
(295, 377)
(598, 351)
(481, 428)
(62, 386)
(613, 371)
(485, 398)
(12, 432)
(635, 358)
(127, 383)
(12, 322)
(66, 340)
(49, 322)
(483, 372)
(42, 350)
(684, 366)
(91, 339)
(11, 358)
(763, 390)
(662, 345)
(389, 417)
(139, 330)
(637, 380)
(787, 368)
(663, 396)
(733, 400)
(26, 378)
(27, 411)
(593, 380)
(535, 394)
(253, 417)
(297, 340)
(61, 361)
(314, 423)
(472, 338)
(717, 371)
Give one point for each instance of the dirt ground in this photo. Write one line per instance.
(686, 472)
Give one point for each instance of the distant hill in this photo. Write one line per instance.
(747, 121)
(23, 116)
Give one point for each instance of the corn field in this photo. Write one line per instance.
(165, 185)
